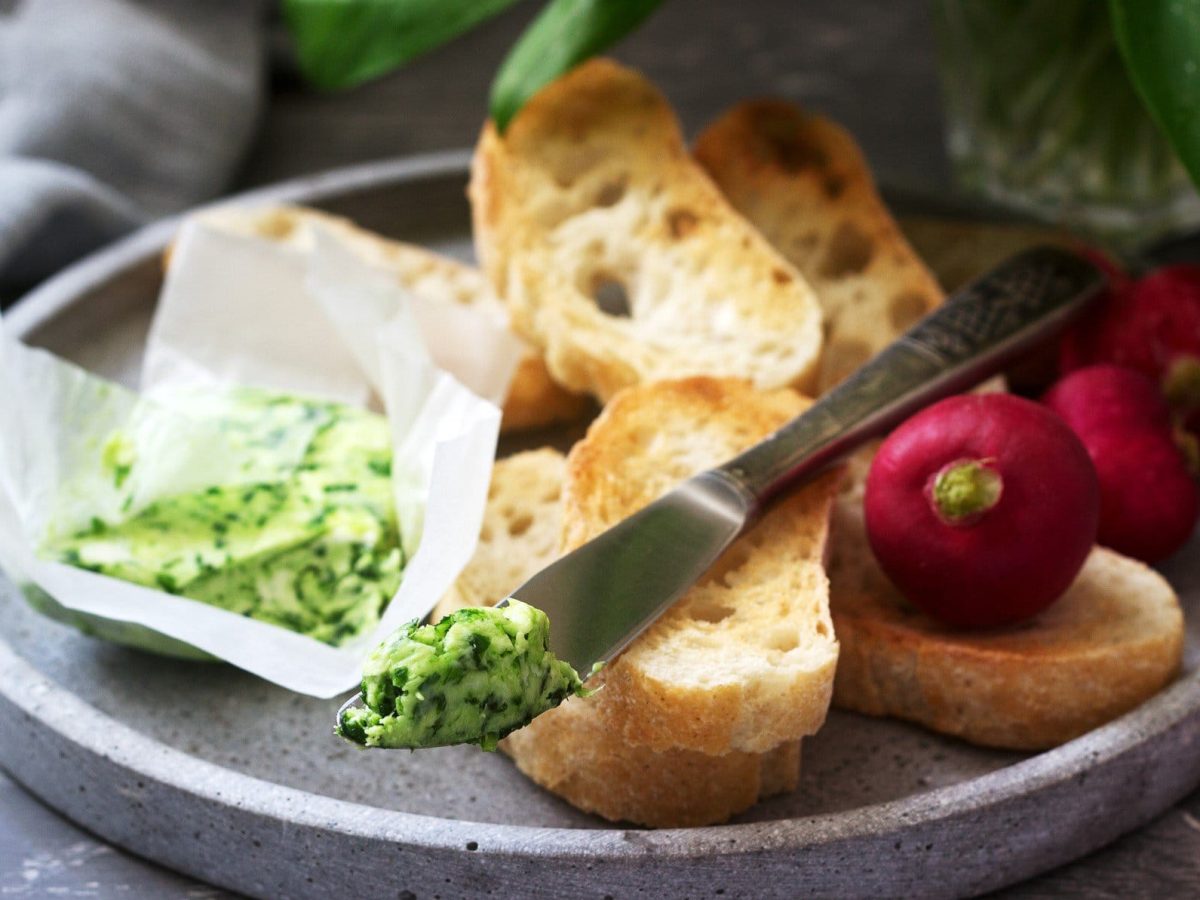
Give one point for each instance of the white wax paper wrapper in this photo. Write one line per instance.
(242, 311)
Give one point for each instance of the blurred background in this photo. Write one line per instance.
(117, 112)
(114, 112)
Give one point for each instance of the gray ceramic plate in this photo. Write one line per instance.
(226, 778)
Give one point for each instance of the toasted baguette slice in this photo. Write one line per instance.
(1112, 641)
(574, 754)
(745, 660)
(577, 757)
(803, 182)
(521, 530)
(533, 401)
(591, 198)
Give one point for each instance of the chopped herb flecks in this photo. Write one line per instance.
(472, 678)
(315, 549)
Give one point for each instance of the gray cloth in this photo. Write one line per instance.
(116, 112)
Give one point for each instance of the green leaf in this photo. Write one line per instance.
(341, 43)
(563, 35)
(1160, 41)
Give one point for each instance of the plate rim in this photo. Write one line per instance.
(61, 716)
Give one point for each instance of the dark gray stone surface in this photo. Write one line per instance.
(868, 63)
(44, 855)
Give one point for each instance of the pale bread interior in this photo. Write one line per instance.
(803, 182)
(616, 254)
(744, 660)
(521, 530)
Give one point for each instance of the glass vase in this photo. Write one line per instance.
(1042, 118)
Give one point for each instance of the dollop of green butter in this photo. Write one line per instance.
(313, 548)
(472, 678)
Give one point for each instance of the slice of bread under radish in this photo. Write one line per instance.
(1110, 643)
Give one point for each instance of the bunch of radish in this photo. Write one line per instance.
(1148, 498)
(983, 508)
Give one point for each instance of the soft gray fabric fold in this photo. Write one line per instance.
(115, 112)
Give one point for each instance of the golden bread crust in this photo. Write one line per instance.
(745, 659)
(591, 194)
(803, 182)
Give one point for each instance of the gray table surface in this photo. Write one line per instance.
(869, 63)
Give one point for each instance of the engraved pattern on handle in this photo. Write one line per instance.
(1011, 297)
(972, 336)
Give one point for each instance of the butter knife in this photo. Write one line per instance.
(601, 596)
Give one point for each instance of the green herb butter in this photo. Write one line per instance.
(312, 547)
(474, 677)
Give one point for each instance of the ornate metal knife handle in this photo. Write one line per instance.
(975, 334)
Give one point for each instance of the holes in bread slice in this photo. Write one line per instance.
(849, 252)
(783, 141)
(781, 639)
(610, 294)
(569, 166)
(681, 222)
(733, 559)
(611, 192)
(905, 308)
(843, 356)
(519, 523)
(710, 610)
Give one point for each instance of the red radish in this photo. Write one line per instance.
(1152, 325)
(982, 509)
(1106, 397)
(1148, 500)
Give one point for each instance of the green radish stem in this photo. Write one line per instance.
(964, 490)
